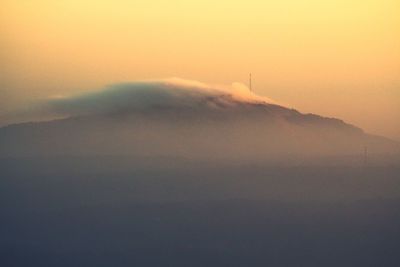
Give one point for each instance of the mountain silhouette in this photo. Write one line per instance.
(177, 118)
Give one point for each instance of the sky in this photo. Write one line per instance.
(335, 58)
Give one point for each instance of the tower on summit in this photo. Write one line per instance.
(251, 90)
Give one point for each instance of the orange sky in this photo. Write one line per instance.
(334, 57)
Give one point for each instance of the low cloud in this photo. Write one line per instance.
(173, 92)
(138, 95)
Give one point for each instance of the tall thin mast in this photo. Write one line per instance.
(250, 83)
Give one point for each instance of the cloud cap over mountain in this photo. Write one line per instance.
(181, 118)
(173, 92)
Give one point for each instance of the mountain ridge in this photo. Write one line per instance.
(184, 119)
(247, 130)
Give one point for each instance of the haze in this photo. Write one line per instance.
(334, 58)
(129, 134)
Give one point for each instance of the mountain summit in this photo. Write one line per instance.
(182, 119)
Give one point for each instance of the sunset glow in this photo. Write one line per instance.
(335, 58)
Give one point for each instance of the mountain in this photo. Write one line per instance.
(176, 118)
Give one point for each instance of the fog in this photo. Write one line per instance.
(124, 211)
(178, 173)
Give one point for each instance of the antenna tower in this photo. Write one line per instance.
(251, 90)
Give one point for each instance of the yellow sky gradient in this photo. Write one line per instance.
(336, 58)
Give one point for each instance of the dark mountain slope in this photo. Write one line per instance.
(220, 127)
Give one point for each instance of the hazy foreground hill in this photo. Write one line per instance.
(191, 121)
(125, 211)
